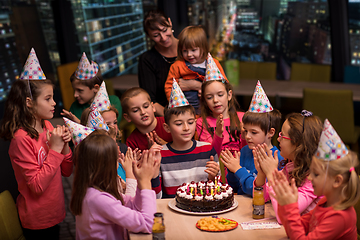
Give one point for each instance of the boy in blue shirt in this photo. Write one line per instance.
(259, 126)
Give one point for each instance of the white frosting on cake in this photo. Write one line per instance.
(188, 196)
(209, 197)
(199, 197)
(182, 194)
(184, 187)
(211, 184)
(218, 196)
(224, 194)
(229, 191)
(201, 184)
(192, 185)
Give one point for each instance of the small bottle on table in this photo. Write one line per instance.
(158, 229)
(258, 203)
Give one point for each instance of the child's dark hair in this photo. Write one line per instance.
(154, 17)
(95, 166)
(233, 106)
(190, 37)
(97, 79)
(168, 112)
(305, 134)
(17, 114)
(132, 92)
(265, 121)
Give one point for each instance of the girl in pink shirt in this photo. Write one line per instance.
(298, 142)
(219, 108)
(333, 175)
(39, 154)
(101, 211)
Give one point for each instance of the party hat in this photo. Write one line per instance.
(95, 119)
(212, 71)
(177, 97)
(260, 102)
(101, 100)
(78, 131)
(32, 69)
(331, 147)
(85, 70)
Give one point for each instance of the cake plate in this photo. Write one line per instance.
(172, 205)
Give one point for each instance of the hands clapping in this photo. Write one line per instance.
(285, 193)
(232, 163)
(264, 161)
(145, 171)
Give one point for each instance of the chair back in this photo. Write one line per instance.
(232, 71)
(257, 70)
(335, 105)
(351, 74)
(308, 72)
(64, 73)
(10, 228)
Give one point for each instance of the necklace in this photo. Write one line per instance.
(168, 60)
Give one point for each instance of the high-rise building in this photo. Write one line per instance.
(111, 33)
(10, 65)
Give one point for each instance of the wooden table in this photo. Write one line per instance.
(273, 88)
(182, 226)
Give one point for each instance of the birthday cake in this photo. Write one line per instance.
(204, 196)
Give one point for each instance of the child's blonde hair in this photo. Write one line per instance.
(132, 92)
(347, 167)
(193, 36)
(112, 132)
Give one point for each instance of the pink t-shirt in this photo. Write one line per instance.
(38, 172)
(228, 140)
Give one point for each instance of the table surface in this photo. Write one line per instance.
(273, 88)
(182, 226)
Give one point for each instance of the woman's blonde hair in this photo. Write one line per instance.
(193, 36)
(350, 193)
